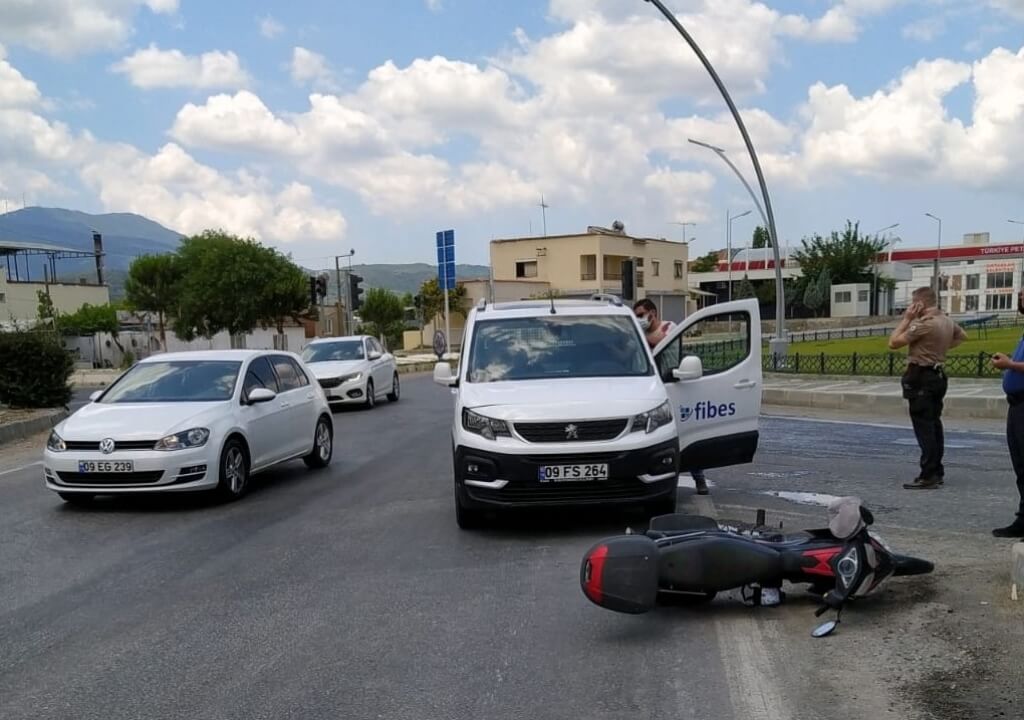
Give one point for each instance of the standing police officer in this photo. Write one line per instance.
(930, 334)
(1013, 386)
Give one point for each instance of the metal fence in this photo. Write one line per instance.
(826, 335)
(887, 364)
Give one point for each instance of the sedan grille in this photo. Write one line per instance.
(132, 478)
(92, 445)
(588, 431)
(328, 383)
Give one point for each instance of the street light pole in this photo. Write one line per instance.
(728, 237)
(874, 288)
(780, 344)
(938, 259)
(337, 280)
(1016, 222)
(684, 224)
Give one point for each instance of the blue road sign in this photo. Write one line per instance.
(446, 259)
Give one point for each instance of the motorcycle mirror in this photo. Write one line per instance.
(825, 629)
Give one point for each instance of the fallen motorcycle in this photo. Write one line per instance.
(691, 558)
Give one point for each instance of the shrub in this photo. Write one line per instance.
(35, 370)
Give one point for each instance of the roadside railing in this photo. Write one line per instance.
(969, 323)
(976, 365)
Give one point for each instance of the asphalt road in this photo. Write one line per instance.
(350, 592)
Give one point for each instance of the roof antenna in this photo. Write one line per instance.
(551, 296)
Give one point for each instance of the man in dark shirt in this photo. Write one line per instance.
(1013, 386)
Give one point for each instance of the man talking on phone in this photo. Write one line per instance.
(1013, 386)
(929, 334)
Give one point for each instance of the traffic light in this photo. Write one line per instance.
(312, 290)
(629, 280)
(355, 291)
(321, 285)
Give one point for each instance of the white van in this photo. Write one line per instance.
(563, 403)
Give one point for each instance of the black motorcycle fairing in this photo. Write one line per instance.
(714, 563)
(676, 523)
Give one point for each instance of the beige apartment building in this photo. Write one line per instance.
(591, 262)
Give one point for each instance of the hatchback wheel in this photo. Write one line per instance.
(234, 471)
(323, 446)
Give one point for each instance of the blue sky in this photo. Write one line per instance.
(322, 126)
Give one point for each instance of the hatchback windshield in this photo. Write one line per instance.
(556, 347)
(176, 381)
(334, 351)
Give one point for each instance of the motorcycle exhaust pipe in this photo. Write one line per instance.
(621, 574)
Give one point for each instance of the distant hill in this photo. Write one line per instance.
(126, 236)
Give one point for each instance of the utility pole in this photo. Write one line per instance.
(544, 214)
(337, 278)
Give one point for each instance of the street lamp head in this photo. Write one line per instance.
(706, 145)
(744, 214)
(933, 217)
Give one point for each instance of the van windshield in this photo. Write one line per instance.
(557, 346)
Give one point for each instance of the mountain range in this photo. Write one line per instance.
(127, 236)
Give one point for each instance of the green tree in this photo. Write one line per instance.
(152, 286)
(433, 299)
(846, 257)
(816, 293)
(91, 320)
(761, 238)
(745, 289)
(382, 308)
(705, 263)
(233, 284)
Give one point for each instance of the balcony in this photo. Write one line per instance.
(588, 276)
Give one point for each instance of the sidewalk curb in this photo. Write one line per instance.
(955, 407)
(22, 429)
(1017, 557)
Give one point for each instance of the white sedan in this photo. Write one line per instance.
(180, 422)
(353, 370)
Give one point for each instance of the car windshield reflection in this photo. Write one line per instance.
(334, 351)
(556, 347)
(176, 381)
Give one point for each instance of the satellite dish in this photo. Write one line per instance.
(618, 226)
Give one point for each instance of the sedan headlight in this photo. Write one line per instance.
(484, 426)
(653, 419)
(351, 378)
(55, 442)
(196, 437)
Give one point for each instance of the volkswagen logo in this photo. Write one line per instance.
(572, 432)
(107, 446)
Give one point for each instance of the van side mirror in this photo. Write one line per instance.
(691, 368)
(443, 374)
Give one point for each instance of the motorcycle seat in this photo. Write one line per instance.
(679, 523)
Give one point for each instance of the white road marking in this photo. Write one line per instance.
(887, 426)
(19, 469)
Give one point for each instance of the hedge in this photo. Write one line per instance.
(35, 370)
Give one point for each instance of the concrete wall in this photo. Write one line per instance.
(21, 300)
(858, 304)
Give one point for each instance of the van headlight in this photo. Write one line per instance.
(653, 419)
(55, 442)
(196, 437)
(489, 428)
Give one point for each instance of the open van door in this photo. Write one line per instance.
(711, 366)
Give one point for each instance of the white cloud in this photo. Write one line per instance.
(15, 89)
(925, 29)
(68, 27)
(270, 28)
(155, 68)
(310, 68)
(233, 122)
(434, 5)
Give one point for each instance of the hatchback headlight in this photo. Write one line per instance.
(196, 437)
(55, 442)
(653, 419)
(484, 426)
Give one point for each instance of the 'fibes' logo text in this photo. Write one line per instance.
(705, 410)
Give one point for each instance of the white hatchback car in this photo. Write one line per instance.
(354, 370)
(180, 422)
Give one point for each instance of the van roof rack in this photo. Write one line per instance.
(607, 297)
(481, 304)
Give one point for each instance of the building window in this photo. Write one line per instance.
(844, 296)
(526, 269)
(943, 282)
(679, 269)
(655, 268)
(639, 262)
(1002, 301)
(973, 281)
(999, 280)
(588, 267)
(972, 302)
(639, 278)
(862, 296)
(3, 297)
